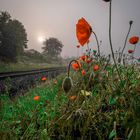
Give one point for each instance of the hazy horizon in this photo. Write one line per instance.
(53, 18)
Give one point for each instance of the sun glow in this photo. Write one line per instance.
(40, 39)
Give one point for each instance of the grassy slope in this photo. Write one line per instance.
(107, 103)
(23, 66)
(27, 118)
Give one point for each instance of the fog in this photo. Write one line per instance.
(57, 18)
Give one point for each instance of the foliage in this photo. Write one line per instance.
(107, 108)
(13, 37)
(52, 48)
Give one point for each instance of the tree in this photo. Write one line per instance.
(13, 37)
(52, 47)
(4, 18)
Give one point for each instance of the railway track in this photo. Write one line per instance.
(13, 74)
(17, 82)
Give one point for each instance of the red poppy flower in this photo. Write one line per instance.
(83, 72)
(78, 46)
(76, 66)
(83, 57)
(72, 98)
(134, 40)
(89, 60)
(43, 79)
(83, 31)
(96, 67)
(36, 98)
(130, 51)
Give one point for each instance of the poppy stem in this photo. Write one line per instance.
(133, 53)
(110, 40)
(125, 41)
(70, 65)
(97, 43)
(134, 48)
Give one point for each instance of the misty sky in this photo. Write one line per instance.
(57, 18)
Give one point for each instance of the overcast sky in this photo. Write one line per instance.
(57, 18)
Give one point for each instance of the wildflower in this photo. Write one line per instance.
(36, 98)
(67, 84)
(78, 46)
(134, 40)
(76, 65)
(130, 51)
(96, 67)
(83, 31)
(89, 60)
(43, 79)
(72, 98)
(83, 72)
(83, 57)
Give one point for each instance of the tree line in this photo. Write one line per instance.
(13, 40)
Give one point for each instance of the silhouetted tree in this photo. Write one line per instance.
(13, 37)
(52, 47)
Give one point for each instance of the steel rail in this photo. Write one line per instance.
(4, 75)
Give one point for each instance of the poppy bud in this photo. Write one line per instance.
(67, 84)
(119, 60)
(78, 46)
(131, 22)
(130, 51)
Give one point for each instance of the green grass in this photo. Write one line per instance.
(109, 111)
(6, 67)
(29, 119)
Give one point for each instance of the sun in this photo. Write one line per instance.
(40, 39)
